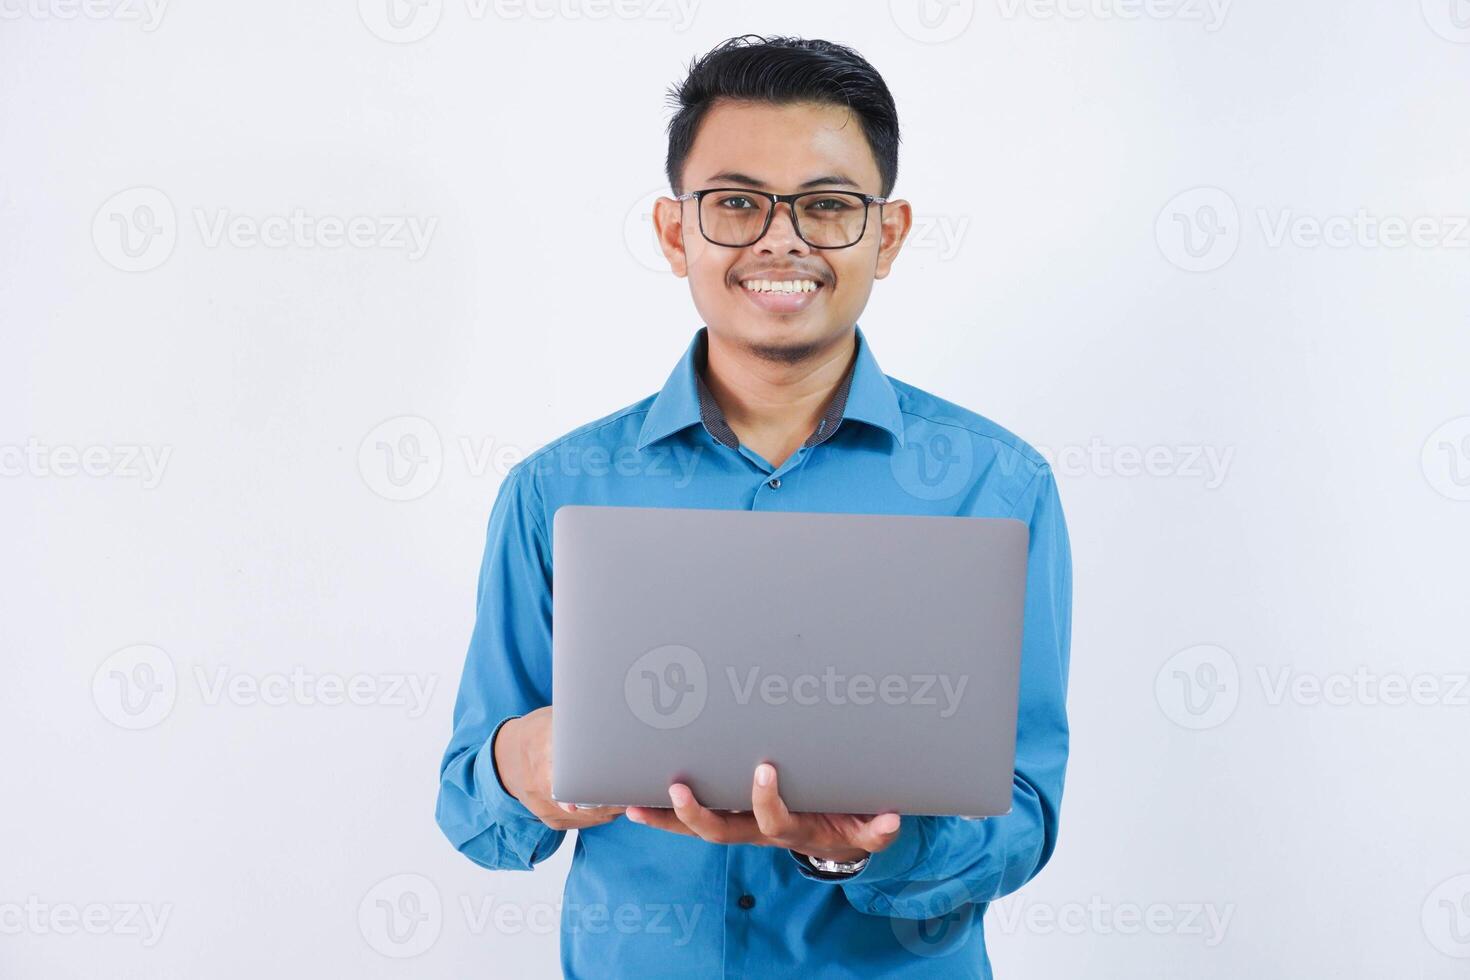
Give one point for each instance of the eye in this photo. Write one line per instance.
(829, 204)
(735, 202)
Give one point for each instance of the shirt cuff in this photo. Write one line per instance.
(499, 802)
(895, 860)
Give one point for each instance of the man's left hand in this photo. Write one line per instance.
(829, 836)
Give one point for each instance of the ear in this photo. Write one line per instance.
(668, 227)
(898, 221)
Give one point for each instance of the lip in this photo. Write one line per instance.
(783, 302)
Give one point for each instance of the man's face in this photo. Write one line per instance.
(780, 149)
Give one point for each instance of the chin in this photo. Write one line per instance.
(789, 340)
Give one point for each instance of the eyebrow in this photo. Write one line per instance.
(749, 181)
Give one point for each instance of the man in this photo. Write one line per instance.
(777, 404)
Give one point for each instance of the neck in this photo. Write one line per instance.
(775, 402)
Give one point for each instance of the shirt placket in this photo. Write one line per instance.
(768, 495)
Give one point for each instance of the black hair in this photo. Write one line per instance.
(784, 70)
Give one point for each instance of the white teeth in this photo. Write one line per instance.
(785, 286)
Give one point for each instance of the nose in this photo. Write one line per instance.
(781, 236)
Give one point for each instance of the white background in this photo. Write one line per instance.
(1049, 287)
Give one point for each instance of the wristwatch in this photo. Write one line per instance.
(834, 869)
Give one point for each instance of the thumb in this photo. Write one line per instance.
(878, 833)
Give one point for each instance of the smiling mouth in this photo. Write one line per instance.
(790, 295)
(781, 285)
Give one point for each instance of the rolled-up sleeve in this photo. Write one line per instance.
(507, 673)
(938, 864)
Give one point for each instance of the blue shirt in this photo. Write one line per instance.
(641, 902)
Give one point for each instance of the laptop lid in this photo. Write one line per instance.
(873, 659)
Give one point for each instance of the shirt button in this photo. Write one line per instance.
(775, 484)
(747, 901)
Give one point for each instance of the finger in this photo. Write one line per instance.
(733, 828)
(878, 833)
(771, 815)
(659, 818)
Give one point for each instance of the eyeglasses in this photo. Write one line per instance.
(737, 218)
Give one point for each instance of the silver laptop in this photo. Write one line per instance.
(874, 660)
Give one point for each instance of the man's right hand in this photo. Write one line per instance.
(523, 759)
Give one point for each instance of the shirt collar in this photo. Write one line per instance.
(865, 395)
